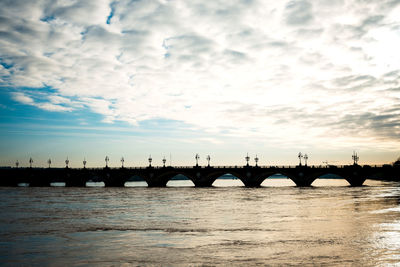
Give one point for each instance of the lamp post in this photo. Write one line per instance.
(66, 163)
(305, 159)
(84, 163)
(49, 162)
(355, 158)
(208, 160)
(150, 160)
(163, 161)
(256, 160)
(17, 163)
(122, 162)
(247, 158)
(30, 162)
(300, 156)
(107, 159)
(197, 157)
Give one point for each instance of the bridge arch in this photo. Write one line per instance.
(268, 174)
(215, 175)
(275, 179)
(354, 175)
(219, 173)
(135, 180)
(329, 178)
(220, 181)
(180, 180)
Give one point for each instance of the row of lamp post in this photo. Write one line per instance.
(355, 158)
(197, 157)
(305, 157)
(150, 159)
(49, 163)
(247, 158)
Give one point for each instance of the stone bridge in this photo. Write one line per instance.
(251, 176)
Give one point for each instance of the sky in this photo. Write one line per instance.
(86, 79)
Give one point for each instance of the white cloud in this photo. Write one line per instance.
(20, 97)
(285, 72)
(53, 105)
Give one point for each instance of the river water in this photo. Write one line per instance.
(279, 224)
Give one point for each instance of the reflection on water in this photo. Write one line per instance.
(277, 182)
(57, 184)
(136, 184)
(327, 224)
(180, 183)
(227, 183)
(95, 184)
(330, 182)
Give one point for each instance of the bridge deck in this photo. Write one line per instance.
(251, 176)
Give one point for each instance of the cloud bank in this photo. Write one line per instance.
(320, 72)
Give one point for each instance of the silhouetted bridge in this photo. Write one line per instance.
(201, 176)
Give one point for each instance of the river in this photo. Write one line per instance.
(277, 224)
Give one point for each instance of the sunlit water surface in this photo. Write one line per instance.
(278, 224)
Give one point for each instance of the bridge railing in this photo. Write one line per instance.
(214, 167)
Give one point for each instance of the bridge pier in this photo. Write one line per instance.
(154, 183)
(153, 179)
(356, 175)
(356, 179)
(302, 183)
(250, 182)
(201, 180)
(75, 179)
(356, 182)
(203, 183)
(71, 182)
(250, 176)
(302, 176)
(38, 177)
(114, 183)
(39, 182)
(114, 178)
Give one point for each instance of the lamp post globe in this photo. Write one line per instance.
(197, 157)
(256, 160)
(30, 162)
(17, 163)
(150, 160)
(208, 160)
(300, 156)
(163, 161)
(122, 162)
(305, 159)
(49, 162)
(66, 163)
(247, 158)
(84, 163)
